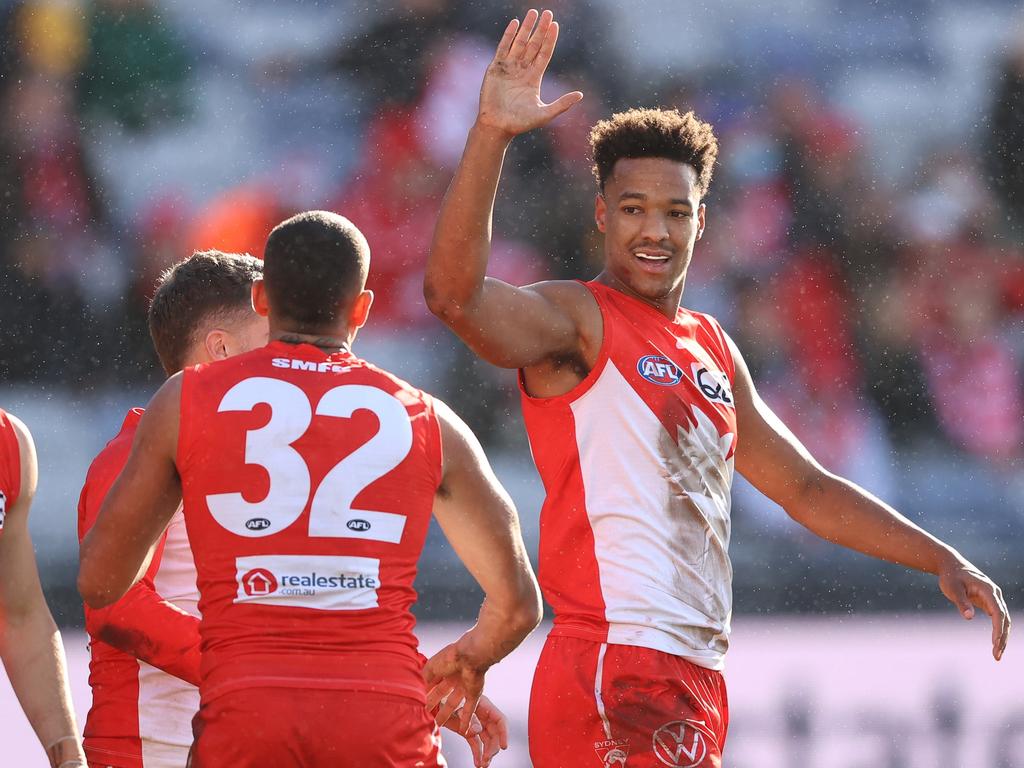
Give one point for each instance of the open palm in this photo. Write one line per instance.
(510, 96)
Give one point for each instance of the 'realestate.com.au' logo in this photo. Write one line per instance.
(308, 581)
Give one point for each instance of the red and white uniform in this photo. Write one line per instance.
(10, 467)
(143, 702)
(308, 484)
(637, 463)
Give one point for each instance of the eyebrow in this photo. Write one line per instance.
(641, 196)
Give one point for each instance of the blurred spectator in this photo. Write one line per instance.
(1004, 145)
(136, 72)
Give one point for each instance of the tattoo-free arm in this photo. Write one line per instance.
(771, 457)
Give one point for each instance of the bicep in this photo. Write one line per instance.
(477, 515)
(516, 327)
(768, 454)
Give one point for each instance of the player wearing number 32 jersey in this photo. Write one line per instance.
(308, 478)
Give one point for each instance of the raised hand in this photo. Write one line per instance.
(966, 587)
(510, 95)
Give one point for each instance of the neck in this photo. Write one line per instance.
(326, 342)
(668, 304)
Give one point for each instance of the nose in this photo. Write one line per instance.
(655, 227)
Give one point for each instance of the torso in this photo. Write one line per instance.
(637, 462)
(308, 483)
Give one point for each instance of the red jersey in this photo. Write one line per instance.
(142, 702)
(308, 482)
(10, 467)
(637, 464)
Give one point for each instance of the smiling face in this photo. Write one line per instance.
(651, 215)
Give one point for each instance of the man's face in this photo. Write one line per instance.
(651, 215)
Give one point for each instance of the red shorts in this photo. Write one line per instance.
(595, 704)
(310, 728)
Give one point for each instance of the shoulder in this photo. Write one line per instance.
(576, 299)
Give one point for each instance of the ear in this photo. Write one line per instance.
(600, 211)
(360, 309)
(216, 345)
(259, 298)
(700, 221)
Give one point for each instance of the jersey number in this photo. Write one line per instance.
(331, 514)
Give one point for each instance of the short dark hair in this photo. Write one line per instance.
(666, 133)
(313, 264)
(207, 285)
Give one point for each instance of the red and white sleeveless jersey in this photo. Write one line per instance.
(10, 467)
(142, 702)
(308, 484)
(637, 463)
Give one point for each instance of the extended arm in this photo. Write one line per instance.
(29, 641)
(779, 466)
(480, 521)
(508, 326)
(115, 553)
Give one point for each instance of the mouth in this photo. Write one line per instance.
(651, 259)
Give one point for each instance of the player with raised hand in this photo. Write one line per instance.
(638, 410)
(30, 643)
(308, 478)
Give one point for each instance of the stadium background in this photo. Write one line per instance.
(864, 246)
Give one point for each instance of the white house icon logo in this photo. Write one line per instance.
(259, 581)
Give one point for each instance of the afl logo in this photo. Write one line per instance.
(358, 525)
(658, 369)
(257, 524)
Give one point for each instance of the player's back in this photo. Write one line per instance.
(10, 467)
(308, 483)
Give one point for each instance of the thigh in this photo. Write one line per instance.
(567, 723)
(669, 711)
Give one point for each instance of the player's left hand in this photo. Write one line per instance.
(488, 732)
(966, 587)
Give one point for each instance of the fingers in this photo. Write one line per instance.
(435, 695)
(990, 598)
(563, 104)
(476, 746)
(546, 47)
(447, 707)
(468, 711)
(506, 39)
(961, 600)
(518, 47)
(539, 36)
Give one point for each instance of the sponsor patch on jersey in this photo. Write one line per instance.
(322, 582)
(714, 385)
(658, 369)
(310, 365)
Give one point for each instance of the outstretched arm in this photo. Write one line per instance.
(29, 641)
(116, 551)
(508, 326)
(480, 521)
(778, 465)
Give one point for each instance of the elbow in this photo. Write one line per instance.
(443, 301)
(91, 588)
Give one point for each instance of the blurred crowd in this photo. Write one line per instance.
(880, 309)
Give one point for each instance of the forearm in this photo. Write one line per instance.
(34, 658)
(457, 263)
(149, 628)
(844, 513)
(500, 630)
